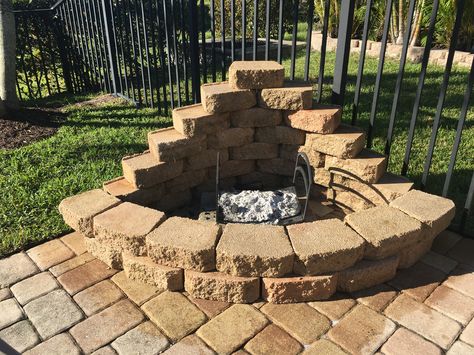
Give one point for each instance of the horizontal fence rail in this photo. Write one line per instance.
(157, 53)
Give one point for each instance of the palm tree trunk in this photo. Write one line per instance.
(7, 55)
(401, 22)
(415, 39)
(393, 27)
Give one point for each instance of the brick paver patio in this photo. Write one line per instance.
(56, 298)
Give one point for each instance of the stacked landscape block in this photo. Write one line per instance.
(257, 122)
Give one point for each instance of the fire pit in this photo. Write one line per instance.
(294, 210)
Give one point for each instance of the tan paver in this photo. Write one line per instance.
(324, 347)
(280, 135)
(174, 314)
(144, 171)
(167, 144)
(452, 303)
(434, 211)
(185, 243)
(439, 262)
(222, 287)
(57, 344)
(210, 308)
(256, 74)
(324, 246)
(273, 340)
(106, 350)
(221, 97)
(254, 151)
(78, 211)
(194, 121)
(53, 313)
(137, 292)
(75, 242)
(191, 345)
(467, 335)
(255, 117)
(367, 273)
(368, 165)
(377, 297)
(143, 269)
(98, 297)
(289, 317)
(418, 281)
(50, 253)
(386, 230)
(105, 326)
(460, 348)
(423, 320)
(463, 252)
(143, 339)
(254, 250)
(5, 294)
(232, 328)
(70, 264)
(345, 142)
(404, 342)
(298, 289)
(33, 287)
(126, 226)
(462, 280)
(16, 268)
(322, 119)
(107, 252)
(232, 137)
(335, 307)
(84, 276)
(11, 313)
(362, 331)
(20, 336)
(292, 96)
(445, 241)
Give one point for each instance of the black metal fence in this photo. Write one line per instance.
(157, 53)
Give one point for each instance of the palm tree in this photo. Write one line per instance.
(7, 55)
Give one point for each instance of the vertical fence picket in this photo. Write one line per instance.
(324, 38)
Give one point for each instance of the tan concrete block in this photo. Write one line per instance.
(232, 168)
(258, 180)
(221, 97)
(418, 281)
(298, 289)
(137, 292)
(322, 119)
(293, 96)
(434, 211)
(324, 246)
(185, 243)
(386, 230)
(205, 159)
(78, 211)
(273, 340)
(255, 117)
(345, 142)
(174, 314)
(279, 135)
(411, 254)
(348, 200)
(366, 274)
(232, 137)
(423, 320)
(276, 166)
(144, 171)
(222, 287)
(50, 253)
(254, 250)
(125, 191)
(232, 328)
(335, 307)
(109, 254)
(143, 269)
(169, 145)
(173, 200)
(362, 331)
(254, 151)
(290, 151)
(404, 342)
(452, 303)
(323, 347)
(126, 226)
(368, 165)
(377, 297)
(301, 321)
(193, 121)
(256, 74)
(322, 177)
(186, 180)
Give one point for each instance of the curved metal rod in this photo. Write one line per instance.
(307, 177)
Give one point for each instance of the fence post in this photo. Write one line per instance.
(346, 19)
(194, 52)
(108, 18)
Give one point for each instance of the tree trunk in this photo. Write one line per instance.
(415, 41)
(7, 55)
(401, 22)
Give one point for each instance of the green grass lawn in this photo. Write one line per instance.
(89, 145)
